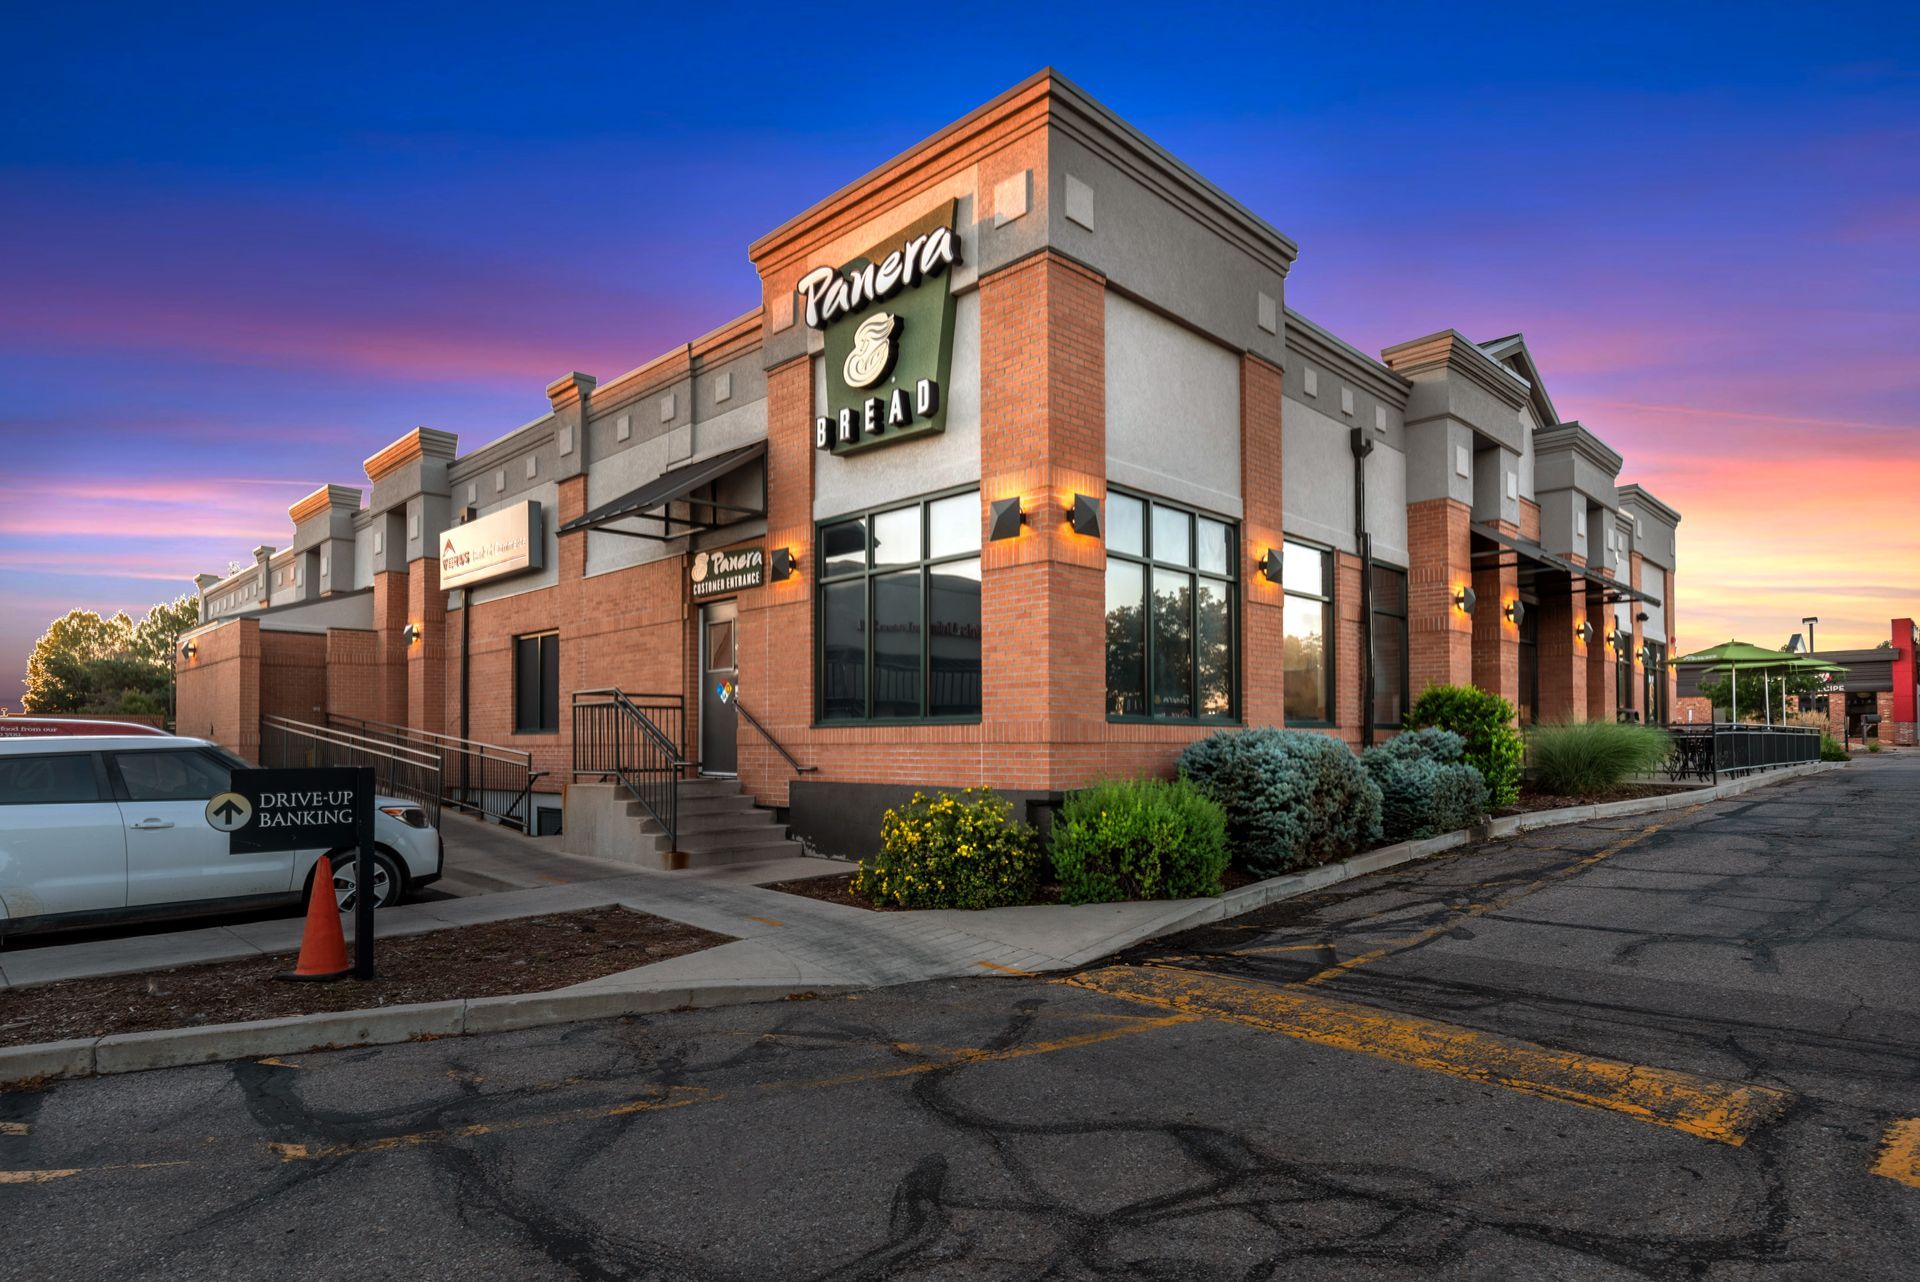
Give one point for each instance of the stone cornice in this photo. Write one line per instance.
(1576, 438)
(570, 389)
(1450, 349)
(324, 499)
(1331, 353)
(420, 443)
(521, 440)
(1636, 497)
(738, 337)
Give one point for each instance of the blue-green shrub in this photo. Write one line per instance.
(1485, 721)
(1292, 799)
(1426, 786)
(1139, 839)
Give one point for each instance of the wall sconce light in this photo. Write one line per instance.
(411, 633)
(1084, 515)
(1584, 632)
(1643, 616)
(1269, 565)
(1641, 654)
(784, 565)
(1515, 612)
(1617, 639)
(188, 649)
(1464, 600)
(1004, 519)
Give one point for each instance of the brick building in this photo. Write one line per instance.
(1880, 690)
(1023, 473)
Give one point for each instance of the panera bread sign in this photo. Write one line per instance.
(724, 573)
(492, 546)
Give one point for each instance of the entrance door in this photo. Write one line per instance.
(718, 675)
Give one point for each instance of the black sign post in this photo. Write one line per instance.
(300, 810)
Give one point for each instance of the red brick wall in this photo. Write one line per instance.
(390, 603)
(353, 674)
(1349, 673)
(1602, 692)
(217, 691)
(293, 676)
(1636, 686)
(1671, 639)
(1262, 658)
(426, 658)
(1440, 556)
(1496, 638)
(1563, 656)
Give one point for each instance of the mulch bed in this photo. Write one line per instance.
(837, 888)
(1531, 801)
(523, 955)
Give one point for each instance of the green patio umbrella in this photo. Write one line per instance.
(1731, 656)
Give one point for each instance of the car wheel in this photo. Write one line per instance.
(388, 885)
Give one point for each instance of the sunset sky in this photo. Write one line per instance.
(246, 247)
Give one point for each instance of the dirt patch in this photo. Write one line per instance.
(524, 955)
(837, 888)
(1531, 801)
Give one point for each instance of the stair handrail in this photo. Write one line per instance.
(601, 744)
(503, 771)
(766, 734)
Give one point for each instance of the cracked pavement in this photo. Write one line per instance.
(1462, 1068)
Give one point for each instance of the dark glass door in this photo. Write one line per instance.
(719, 675)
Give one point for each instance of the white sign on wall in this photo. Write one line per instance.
(491, 547)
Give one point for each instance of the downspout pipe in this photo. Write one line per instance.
(1362, 445)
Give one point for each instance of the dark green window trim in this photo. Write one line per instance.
(1149, 563)
(867, 575)
(1403, 614)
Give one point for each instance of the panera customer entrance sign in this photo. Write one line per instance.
(724, 573)
(492, 546)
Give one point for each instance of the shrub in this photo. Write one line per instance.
(1831, 749)
(1139, 839)
(1873, 745)
(1292, 799)
(1426, 788)
(951, 850)
(1582, 758)
(1485, 721)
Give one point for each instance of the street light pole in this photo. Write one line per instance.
(1810, 621)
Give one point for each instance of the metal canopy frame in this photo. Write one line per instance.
(1523, 551)
(683, 485)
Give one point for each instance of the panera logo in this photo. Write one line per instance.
(719, 573)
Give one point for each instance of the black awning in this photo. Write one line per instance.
(655, 500)
(1616, 590)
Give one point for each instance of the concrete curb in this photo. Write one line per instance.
(173, 1047)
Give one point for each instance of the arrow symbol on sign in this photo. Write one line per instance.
(227, 811)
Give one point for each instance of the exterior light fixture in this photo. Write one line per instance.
(784, 565)
(1269, 565)
(1643, 616)
(1084, 515)
(1641, 654)
(188, 649)
(1584, 632)
(411, 633)
(1515, 612)
(1617, 639)
(1464, 600)
(1004, 519)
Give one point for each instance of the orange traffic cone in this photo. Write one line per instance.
(323, 946)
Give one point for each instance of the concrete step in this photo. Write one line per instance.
(703, 804)
(729, 838)
(737, 855)
(755, 821)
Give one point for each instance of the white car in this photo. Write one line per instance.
(95, 828)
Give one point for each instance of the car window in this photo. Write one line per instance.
(48, 780)
(171, 776)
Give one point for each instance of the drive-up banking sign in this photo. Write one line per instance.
(887, 321)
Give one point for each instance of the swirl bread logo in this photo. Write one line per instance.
(699, 567)
(872, 350)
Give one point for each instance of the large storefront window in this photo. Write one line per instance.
(1389, 633)
(1306, 577)
(1170, 633)
(1656, 679)
(899, 613)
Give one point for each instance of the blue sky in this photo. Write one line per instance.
(248, 246)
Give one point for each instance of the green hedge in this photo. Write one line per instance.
(1485, 722)
(1139, 839)
(1831, 749)
(1426, 786)
(1585, 758)
(1293, 799)
(952, 850)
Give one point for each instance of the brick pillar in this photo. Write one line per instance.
(1906, 684)
(1496, 638)
(1637, 674)
(1602, 663)
(390, 605)
(1837, 712)
(1671, 641)
(1440, 558)
(1349, 672)
(1043, 594)
(1262, 663)
(573, 547)
(427, 656)
(1563, 656)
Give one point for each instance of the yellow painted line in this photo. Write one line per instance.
(1899, 1156)
(1481, 909)
(63, 1173)
(1006, 970)
(274, 1061)
(674, 1097)
(767, 921)
(1724, 1111)
(1279, 948)
(14, 1128)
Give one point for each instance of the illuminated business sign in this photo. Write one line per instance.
(492, 546)
(723, 573)
(887, 319)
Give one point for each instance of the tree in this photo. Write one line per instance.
(86, 663)
(1755, 697)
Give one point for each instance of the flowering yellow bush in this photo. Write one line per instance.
(952, 850)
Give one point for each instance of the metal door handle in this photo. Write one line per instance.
(149, 825)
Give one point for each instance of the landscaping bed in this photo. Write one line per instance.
(520, 955)
(1530, 801)
(837, 888)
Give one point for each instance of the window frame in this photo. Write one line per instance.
(545, 636)
(1148, 566)
(866, 576)
(117, 780)
(1404, 614)
(1330, 683)
(1527, 640)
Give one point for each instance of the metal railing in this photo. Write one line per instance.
(478, 778)
(1730, 749)
(766, 734)
(400, 770)
(633, 739)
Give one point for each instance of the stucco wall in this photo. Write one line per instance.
(1173, 410)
